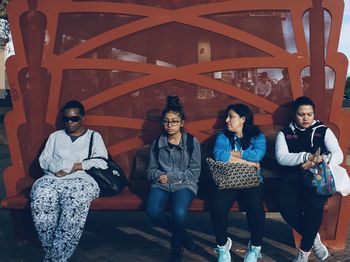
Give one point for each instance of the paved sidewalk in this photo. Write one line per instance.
(130, 236)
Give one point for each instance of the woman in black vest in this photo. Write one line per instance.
(296, 147)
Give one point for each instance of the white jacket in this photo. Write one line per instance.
(286, 158)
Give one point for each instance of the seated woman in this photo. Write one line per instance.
(173, 171)
(296, 147)
(60, 200)
(240, 142)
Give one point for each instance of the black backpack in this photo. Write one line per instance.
(189, 145)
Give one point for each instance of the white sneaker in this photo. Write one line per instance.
(302, 256)
(253, 253)
(319, 249)
(223, 252)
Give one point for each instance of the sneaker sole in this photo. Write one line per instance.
(325, 257)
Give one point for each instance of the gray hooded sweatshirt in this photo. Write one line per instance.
(182, 170)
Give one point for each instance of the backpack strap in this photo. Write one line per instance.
(156, 148)
(190, 144)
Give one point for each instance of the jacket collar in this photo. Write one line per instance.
(312, 129)
(315, 124)
(163, 140)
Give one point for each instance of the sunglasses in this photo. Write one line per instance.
(72, 119)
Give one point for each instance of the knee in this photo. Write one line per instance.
(43, 199)
(153, 211)
(316, 207)
(43, 194)
(285, 203)
(256, 209)
(180, 215)
(219, 208)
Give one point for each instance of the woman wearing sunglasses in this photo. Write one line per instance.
(173, 171)
(60, 200)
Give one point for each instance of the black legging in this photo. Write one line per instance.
(302, 208)
(252, 199)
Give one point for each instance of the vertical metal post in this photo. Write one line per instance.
(317, 58)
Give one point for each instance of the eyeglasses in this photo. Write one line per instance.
(166, 122)
(72, 119)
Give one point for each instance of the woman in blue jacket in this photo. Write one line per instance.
(173, 171)
(240, 142)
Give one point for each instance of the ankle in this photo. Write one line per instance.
(227, 245)
(306, 253)
(255, 247)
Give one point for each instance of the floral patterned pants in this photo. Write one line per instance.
(59, 210)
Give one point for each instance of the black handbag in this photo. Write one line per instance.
(112, 180)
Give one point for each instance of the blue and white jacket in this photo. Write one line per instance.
(254, 153)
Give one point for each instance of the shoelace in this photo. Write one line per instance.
(220, 251)
(302, 255)
(257, 253)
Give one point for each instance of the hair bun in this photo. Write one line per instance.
(173, 105)
(173, 101)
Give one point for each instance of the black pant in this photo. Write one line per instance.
(252, 200)
(302, 208)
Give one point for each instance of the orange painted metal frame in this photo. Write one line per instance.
(41, 58)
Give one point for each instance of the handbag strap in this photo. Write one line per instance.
(329, 156)
(90, 144)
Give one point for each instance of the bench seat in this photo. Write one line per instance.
(127, 201)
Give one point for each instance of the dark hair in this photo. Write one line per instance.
(285, 71)
(302, 101)
(263, 74)
(73, 104)
(249, 128)
(173, 105)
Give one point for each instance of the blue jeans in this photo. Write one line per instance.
(180, 202)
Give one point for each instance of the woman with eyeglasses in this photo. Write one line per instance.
(60, 199)
(173, 171)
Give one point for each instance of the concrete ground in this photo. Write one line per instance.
(130, 236)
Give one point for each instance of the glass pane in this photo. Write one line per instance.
(270, 83)
(330, 78)
(82, 84)
(145, 105)
(76, 28)
(327, 28)
(277, 24)
(199, 103)
(306, 24)
(176, 44)
(159, 3)
(306, 79)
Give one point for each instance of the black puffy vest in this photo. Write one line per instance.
(307, 140)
